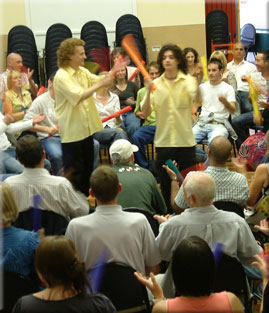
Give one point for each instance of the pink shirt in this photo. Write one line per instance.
(215, 303)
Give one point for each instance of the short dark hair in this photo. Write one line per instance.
(220, 149)
(193, 268)
(104, 183)
(29, 151)
(265, 55)
(178, 54)
(57, 260)
(216, 61)
(189, 49)
(153, 64)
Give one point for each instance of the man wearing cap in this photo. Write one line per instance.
(139, 187)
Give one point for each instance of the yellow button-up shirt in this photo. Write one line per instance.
(77, 120)
(173, 107)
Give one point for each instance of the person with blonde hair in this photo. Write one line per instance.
(76, 112)
(65, 280)
(17, 100)
(19, 245)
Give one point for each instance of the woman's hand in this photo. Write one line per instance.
(151, 284)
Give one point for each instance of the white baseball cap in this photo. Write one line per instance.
(122, 149)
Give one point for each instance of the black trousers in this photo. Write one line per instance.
(78, 163)
(184, 156)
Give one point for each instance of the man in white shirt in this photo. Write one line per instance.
(123, 236)
(243, 122)
(241, 68)
(218, 102)
(57, 193)
(202, 219)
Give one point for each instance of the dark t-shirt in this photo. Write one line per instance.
(80, 303)
(130, 91)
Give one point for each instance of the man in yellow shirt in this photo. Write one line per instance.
(172, 102)
(76, 112)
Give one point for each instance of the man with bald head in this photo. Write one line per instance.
(240, 68)
(230, 186)
(14, 63)
(202, 219)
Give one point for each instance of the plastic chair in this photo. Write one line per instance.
(56, 33)
(53, 223)
(121, 286)
(229, 206)
(230, 276)
(22, 41)
(217, 29)
(153, 223)
(130, 24)
(15, 286)
(248, 38)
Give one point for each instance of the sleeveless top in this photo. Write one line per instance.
(215, 303)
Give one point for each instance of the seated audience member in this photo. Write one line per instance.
(125, 237)
(57, 193)
(260, 181)
(193, 66)
(17, 100)
(230, 186)
(14, 63)
(8, 162)
(218, 102)
(243, 122)
(194, 282)
(65, 280)
(204, 220)
(19, 245)
(145, 134)
(48, 130)
(139, 187)
(127, 92)
(108, 103)
(241, 68)
(130, 69)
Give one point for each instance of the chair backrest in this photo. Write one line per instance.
(153, 223)
(230, 207)
(15, 286)
(53, 223)
(121, 286)
(248, 35)
(22, 41)
(55, 34)
(230, 276)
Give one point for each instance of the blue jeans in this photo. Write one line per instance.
(241, 125)
(244, 103)
(108, 135)
(9, 164)
(96, 149)
(53, 148)
(130, 123)
(142, 136)
(208, 131)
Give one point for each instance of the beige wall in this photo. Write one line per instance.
(173, 21)
(11, 13)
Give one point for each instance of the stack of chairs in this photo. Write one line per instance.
(217, 29)
(130, 24)
(96, 46)
(22, 41)
(248, 38)
(54, 36)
